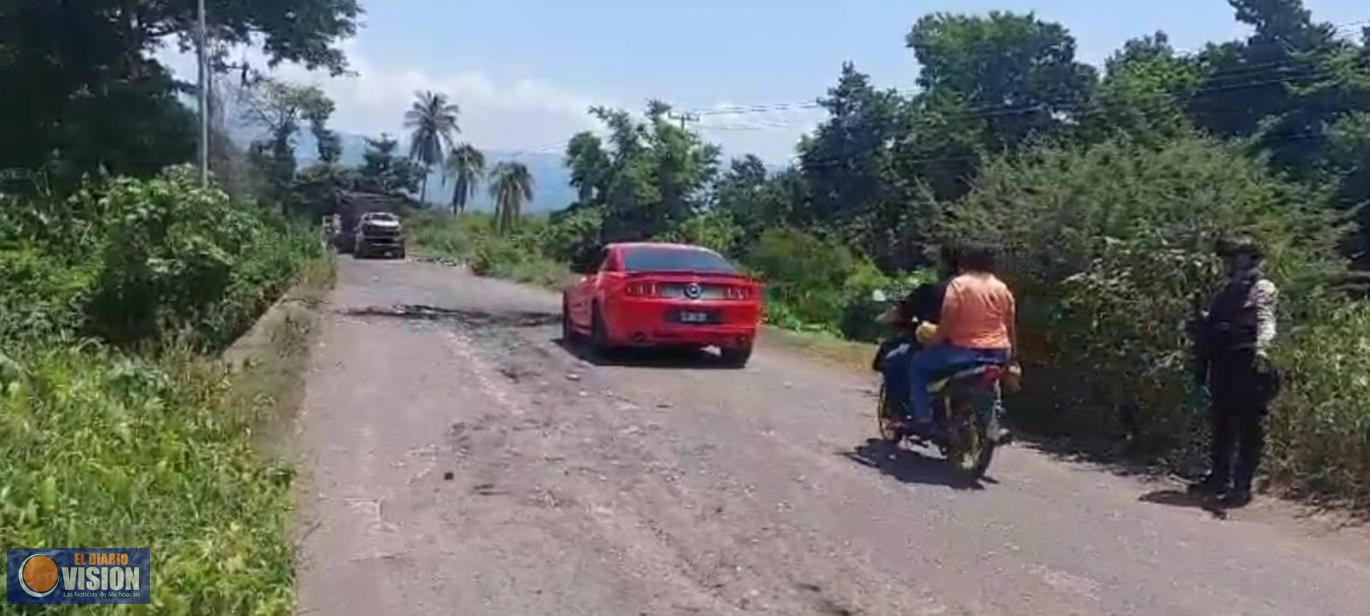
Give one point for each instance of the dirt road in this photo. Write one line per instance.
(457, 460)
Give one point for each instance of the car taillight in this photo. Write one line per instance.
(642, 289)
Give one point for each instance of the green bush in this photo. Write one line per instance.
(97, 448)
(572, 236)
(497, 256)
(102, 445)
(860, 312)
(522, 255)
(1106, 246)
(1320, 428)
(145, 261)
(40, 296)
(806, 273)
(442, 234)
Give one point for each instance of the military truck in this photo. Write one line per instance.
(382, 233)
(378, 233)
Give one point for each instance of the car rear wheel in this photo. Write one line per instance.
(736, 357)
(599, 333)
(568, 328)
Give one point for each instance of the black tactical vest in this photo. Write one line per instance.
(1232, 322)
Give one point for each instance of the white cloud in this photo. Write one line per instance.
(499, 115)
(510, 115)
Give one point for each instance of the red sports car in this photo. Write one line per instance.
(663, 295)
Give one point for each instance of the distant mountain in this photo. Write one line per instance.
(552, 189)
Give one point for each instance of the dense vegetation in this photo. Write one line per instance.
(1107, 188)
(122, 277)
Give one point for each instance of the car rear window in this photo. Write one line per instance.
(648, 259)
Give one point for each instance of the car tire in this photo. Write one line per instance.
(736, 357)
(599, 334)
(568, 327)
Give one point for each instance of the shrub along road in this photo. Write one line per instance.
(457, 458)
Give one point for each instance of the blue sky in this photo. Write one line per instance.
(524, 70)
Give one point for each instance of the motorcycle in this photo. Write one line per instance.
(967, 407)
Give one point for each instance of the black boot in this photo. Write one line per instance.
(1236, 498)
(1210, 485)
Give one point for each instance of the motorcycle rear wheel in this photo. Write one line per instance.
(970, 448)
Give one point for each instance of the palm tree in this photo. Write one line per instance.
(511, 186)
(434, 122)
(465, 165)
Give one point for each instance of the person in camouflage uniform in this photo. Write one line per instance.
(1233, 338)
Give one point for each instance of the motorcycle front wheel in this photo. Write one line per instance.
(884, 419)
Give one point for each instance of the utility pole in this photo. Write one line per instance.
(685, 117)
(202, 55)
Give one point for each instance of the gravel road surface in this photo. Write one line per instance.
(457, 459)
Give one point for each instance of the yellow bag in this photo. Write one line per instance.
(925, 333)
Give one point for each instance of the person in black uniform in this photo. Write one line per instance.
(922, 305)
(1232, 339)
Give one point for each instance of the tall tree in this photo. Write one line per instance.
(385, 171)
(93, 95)
(1144, 93)
(277, 108)
(433, 121)
(739, 192)
(845, 158)
(590, 167)
(1272, 86)
(511, 186)
(1017, 73)
(653, 176)
(466, 166)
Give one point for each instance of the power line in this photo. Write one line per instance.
(1077, 109)
(818, 163)
(814, 104)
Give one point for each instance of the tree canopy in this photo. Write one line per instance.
(93, 96)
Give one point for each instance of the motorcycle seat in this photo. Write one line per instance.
(987, 372)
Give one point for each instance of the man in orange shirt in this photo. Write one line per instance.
(977, 327)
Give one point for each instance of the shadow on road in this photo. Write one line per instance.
(661, 359)
(909, 466)
(474, 318)
(1180, 498)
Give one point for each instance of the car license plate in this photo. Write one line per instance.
(694, 317)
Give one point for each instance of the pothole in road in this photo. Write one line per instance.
(469, 317)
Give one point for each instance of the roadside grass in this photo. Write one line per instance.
(104, 448)
(822, 346)
(441, 235)
(470, 239)
(534, 270)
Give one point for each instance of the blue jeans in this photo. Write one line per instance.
(896, 370)
(933, 362)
